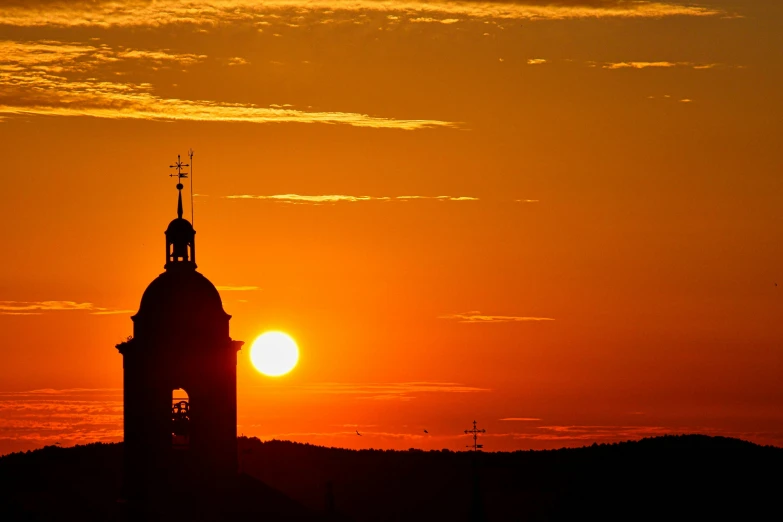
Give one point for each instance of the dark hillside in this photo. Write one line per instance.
(671, 478)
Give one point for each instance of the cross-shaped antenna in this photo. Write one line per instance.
(475, 431)
(179, 166)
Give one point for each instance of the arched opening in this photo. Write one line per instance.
(180, 419)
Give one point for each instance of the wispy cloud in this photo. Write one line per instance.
(207, 14)
(74, 392)
(52, 56)
(526, 201)
(536, 61)
(237, 60)
(520, 419)
(225, 288)
(39, 307)
(428, 19)
(342, 198)
(49, 78)
(438, 198)
(478, 317)
(330, 436)
(599, 433)
(36, 95)
(297, 198)
(387, 391)
(638, 65)
(34, 418)
(658, 65)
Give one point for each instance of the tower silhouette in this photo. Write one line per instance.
(176, 445)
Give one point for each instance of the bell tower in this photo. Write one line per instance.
(179, 371)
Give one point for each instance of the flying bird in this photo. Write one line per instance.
(359, 434)
(427, 432)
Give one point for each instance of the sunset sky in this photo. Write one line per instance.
(561, 218)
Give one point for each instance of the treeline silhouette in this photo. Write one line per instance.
(689, 477)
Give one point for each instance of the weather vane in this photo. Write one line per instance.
(179, 174)
(475, 431)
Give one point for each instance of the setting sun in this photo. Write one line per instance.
(274, 354)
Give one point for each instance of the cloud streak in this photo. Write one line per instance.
(213, 13)
(52, 56)
(39, 307)
(658, 65)
(30, 419)
(48, 78)
(299, 199)
(598, 433)
(39, 95)
(403, 391)
(478, 317)
(237, 288)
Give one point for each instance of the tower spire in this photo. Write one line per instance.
(180, 236)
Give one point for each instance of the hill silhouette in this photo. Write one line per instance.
(673, 478)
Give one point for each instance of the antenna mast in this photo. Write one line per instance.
(475, 431)
(192, 215)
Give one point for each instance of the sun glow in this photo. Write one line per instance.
(274, 353)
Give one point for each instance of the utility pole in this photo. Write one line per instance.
(475, 431)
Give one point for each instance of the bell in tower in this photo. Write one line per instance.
(180, 399)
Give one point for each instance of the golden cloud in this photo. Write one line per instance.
(130, 101)
(657, 65)
(208, 13)
(55, 57)
(38, 307)
(34, 81)
(342, 198)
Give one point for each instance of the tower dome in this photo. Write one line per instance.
(181, 300)
(181, 296)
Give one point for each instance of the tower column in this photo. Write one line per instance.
(180, 340)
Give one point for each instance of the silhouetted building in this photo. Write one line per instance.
(179, 445)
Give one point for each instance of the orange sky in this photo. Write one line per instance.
(611, 167)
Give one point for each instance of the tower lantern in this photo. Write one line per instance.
(179, 444)
(180, 236)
